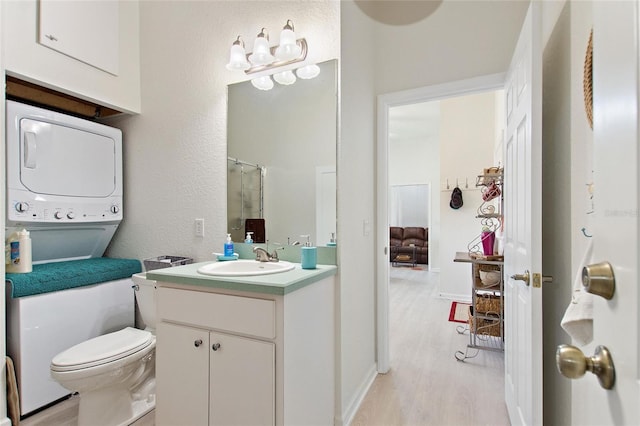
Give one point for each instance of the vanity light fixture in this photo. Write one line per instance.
(263, 83)
(308, 71)
(289, 51)
(285, 78)
(265, 58)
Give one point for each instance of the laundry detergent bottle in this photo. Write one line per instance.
(18, 253)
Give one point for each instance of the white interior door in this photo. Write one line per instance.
(615, 222)
(523, 231)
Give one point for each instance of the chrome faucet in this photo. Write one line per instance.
(263, 256)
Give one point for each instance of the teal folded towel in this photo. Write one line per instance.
(57, 276)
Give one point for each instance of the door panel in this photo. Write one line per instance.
(242, 389)
(57, 160)
(523, 244)
(615, 221)
(182, 371)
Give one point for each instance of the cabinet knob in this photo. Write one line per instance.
(215, 346)
(197, 343)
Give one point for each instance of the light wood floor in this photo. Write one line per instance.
(426, 385)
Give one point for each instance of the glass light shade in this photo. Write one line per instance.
(285, 78)
(261, 51)
(288, 48)
(237, 59)
(309, 71)
(263, 83)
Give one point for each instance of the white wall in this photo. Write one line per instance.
(466, 147)
(356, 182)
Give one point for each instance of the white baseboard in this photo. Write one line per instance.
(356, 401)
(5, 422)
(458, 297)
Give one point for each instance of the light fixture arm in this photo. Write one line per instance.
(303, 55)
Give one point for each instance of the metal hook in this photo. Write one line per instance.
(466, 183)
(447, 183)
(584, 232)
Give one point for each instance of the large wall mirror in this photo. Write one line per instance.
(281, 167)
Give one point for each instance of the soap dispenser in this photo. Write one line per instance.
(332, 242)
(308, 255)
(248, 239)
(228, 247)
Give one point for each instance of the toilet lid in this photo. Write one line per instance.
(102, 349)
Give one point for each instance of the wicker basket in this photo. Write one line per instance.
(486, 327)
(488, 303)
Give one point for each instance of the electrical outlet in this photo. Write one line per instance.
(199, 227)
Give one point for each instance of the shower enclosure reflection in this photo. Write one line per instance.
(245, 199)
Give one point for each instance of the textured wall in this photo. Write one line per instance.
(175, 150)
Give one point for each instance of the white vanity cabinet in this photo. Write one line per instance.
(89, 50)
(238, 389)
(234, 357)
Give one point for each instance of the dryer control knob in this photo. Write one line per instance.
(115, 209)
(22, 207)
(58, 215)
(71, 215)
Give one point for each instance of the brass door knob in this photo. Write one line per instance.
(522, 277)
(598, 279)
(572, 363)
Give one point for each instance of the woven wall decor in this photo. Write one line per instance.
(587, 81)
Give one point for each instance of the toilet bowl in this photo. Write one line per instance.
(114, 374)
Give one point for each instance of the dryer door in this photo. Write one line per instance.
(62, 160)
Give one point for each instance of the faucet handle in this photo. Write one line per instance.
(274, 255)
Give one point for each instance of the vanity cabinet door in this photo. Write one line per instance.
(182, 375)
(242, 383)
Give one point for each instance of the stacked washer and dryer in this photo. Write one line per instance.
(64, 185)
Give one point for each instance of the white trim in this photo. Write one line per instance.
(386, 101)
(5, 422)
(459, 297)
(356, 401)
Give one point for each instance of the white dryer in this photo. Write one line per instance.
(64, 182)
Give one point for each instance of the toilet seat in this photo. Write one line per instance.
(102, 349)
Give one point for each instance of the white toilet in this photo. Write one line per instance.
(114, 374)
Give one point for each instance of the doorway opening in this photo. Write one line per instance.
(386, 104)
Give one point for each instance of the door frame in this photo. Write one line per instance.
(384, 103)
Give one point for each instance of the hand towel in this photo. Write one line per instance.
(578, 318)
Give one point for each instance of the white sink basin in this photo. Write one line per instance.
(245, 268)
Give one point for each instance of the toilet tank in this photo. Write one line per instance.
(41, 326)
(145, 302)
